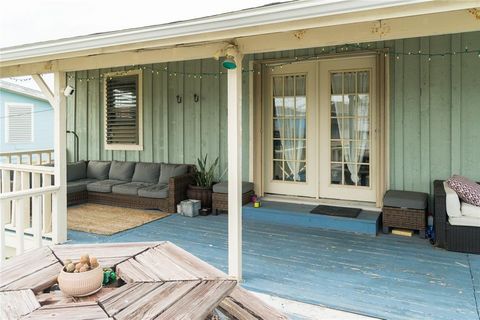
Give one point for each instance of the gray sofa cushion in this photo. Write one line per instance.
(157, 191)
(168, 170)
(121, 170)
(222, 187)
(104, 186)
(76, 170)
(98, 169)
(405, 199)
(146, 172)
(79, 185)
(130, 188)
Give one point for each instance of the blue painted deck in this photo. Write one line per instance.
(388, 277)
(299, 215)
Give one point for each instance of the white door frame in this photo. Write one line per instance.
(327, 189)
(309, 188)
(257, 110)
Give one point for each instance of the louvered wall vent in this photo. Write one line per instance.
(18, 123)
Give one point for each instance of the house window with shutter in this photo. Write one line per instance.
(18, 123)
(123, 111)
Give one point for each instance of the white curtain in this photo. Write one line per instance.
(352, 128)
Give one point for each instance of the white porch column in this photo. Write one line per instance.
(235, 170)
(59, 199)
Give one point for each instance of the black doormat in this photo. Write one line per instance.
(336, 211)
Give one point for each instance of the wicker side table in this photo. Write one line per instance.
(405, 209)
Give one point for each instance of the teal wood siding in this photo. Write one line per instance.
(434, 111)
(172, 132)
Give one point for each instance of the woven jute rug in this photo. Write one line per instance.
(108, 220)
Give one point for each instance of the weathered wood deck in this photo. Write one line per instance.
(160, 281)
(387, 277)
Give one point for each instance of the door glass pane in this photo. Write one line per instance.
(350, 128)
(300, 128)
(336, 151)
(301, 172)
(277, 149)
(277, 107)
(289, 128)
(336, 173)
(277, 170)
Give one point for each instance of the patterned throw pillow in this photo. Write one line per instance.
(467, 190)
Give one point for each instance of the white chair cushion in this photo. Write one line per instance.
(464, 221)
(469, 210)
(453, 202)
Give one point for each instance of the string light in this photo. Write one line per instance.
(324, 51)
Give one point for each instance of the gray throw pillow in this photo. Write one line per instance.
(146, 172)
(168, 170)
(121, 170)
(98, 169)
(76, 170)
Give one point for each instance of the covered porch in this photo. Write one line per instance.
(422, 86)
(387, 277)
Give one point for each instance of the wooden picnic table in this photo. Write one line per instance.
(158, 280)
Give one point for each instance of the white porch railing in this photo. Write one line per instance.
(41, 156)
(28, 208)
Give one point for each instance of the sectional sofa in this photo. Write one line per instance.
(128, 184)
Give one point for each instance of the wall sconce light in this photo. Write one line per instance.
(179, 98)
(196, 98)
(229, 63)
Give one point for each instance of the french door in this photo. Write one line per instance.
(290, 122)
(347, 129)
(319, 123)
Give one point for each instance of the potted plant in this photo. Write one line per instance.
(202, 190)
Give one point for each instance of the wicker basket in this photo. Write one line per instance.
(220, 200)
(413, 219)
(81, 284)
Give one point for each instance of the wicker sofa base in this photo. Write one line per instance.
(77, 198)
(220, 200)
(134, 202)
(462, 238)
(412, 219)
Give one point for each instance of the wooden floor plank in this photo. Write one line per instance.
(124, 296)
(14, 304)
(132, 271)
(231, 308)
(16, 268)
(189, 262)
(38, 281)
(150, 305)
(77, 311)
(158, 263)
(199, 302)
(254, 305)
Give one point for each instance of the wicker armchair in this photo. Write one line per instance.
(453, 238)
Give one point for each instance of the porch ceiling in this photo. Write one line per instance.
(299, 29)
